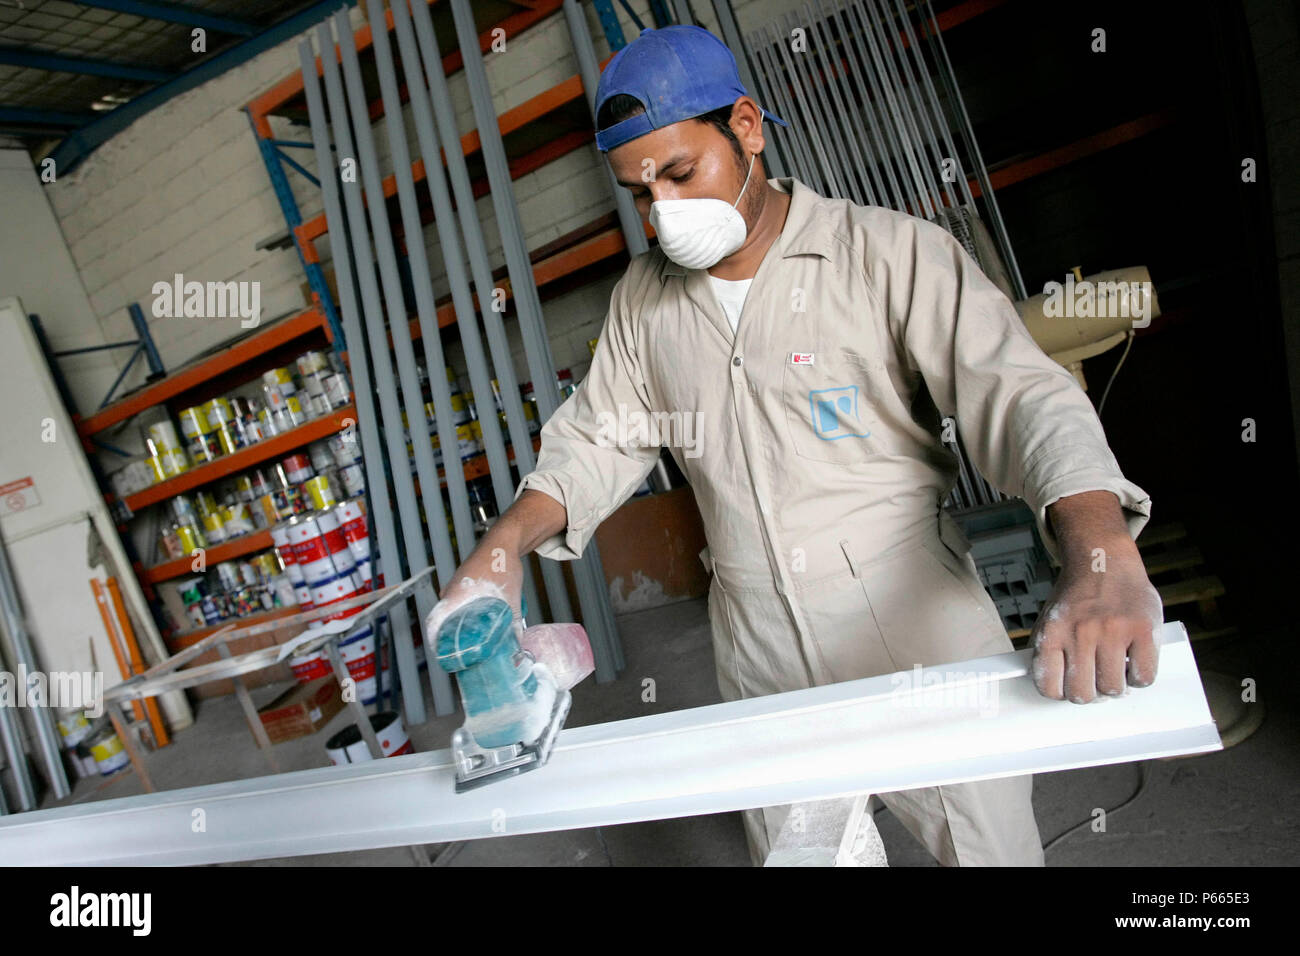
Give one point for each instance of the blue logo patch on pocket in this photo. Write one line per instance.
(835, 413)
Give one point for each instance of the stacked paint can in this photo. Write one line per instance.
(235, 589)
(167, 458)
(327, 555)
(348, 746)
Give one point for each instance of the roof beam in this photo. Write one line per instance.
(82, 142)
(23, 116)
(173, 14)
(11, 56)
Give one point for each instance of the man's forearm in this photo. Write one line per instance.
(1087, 521)
(530, 520)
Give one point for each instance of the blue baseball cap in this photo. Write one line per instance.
(677, 72)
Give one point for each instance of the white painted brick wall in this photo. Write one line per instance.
(184, 190)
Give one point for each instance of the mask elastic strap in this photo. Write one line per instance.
(747, 175)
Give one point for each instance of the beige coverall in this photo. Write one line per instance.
(820, 470)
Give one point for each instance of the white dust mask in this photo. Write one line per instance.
(699, 233)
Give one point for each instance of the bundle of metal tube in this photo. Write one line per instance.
(370, 320)
(868, 125)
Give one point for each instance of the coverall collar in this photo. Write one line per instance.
(803, 232)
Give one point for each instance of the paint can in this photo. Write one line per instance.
(214, 529)
(348, 746)
(73, 728)
(237, 519)
(341, 587)
(312, 361)
(358, 655)
(322, 458)
(284, 549)
(345, 452)
(106, 747)
(353, 479)
(351, 515)
(308, 667)
(321, 491)
(297, 469)
(337, 391)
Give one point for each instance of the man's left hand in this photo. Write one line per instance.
(1097, 632)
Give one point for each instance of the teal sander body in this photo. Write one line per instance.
(514, 708)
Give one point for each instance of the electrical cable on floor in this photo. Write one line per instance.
(1128, 345)
(1142, 785)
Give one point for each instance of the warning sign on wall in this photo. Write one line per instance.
(18, 496)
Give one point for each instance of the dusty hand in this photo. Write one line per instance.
(490, 568)
(1097, 631)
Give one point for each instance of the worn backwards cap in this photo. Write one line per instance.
(677, 72)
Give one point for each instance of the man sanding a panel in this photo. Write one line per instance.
(820, 345)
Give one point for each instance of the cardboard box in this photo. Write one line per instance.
(302, 709)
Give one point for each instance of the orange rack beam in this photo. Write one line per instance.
(244, 458)
(244, 544)
(199, 372)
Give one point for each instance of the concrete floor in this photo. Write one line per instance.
(1237, 807)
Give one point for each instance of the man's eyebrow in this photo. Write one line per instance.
(662, 169)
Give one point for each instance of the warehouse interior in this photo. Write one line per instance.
(220, 351)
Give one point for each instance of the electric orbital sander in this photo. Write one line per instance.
(515, 701)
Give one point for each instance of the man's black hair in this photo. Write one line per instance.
(620, 107)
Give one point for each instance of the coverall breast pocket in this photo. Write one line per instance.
(829, 407)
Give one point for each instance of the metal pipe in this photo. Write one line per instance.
(372, 316)
(894, 196)
(398, 328)
(842, 93)
(588, 576)
(47, 738)
(814, 130)
(629, 219)
(380, 513)
(820, 88)
(11, 736)
(735, 42)
(896, 128)
(444, 221)
(935, 36)
(503, 361)
(777, 94)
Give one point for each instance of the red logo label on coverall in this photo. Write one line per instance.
(801, 358)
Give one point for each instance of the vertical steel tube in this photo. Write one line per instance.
(930, 25)
(736, 43)
(398, 328)
(427, 314)
(46, 737)
(588, 576)
(819, 87)
(444, 221)
(828, 182)
(380, 516)
(372, 316)
(894, 196)
(16, 756)
(629, 219)
(842, 93)
(800, 158)
(498, 343)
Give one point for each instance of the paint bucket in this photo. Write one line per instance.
(352, 522)
(321, 490)
(73, 728)
(348, 746)
(353, 479)
(308, 667)
(358, 655)
(297, 468)
(106, 747)
(345, 452)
